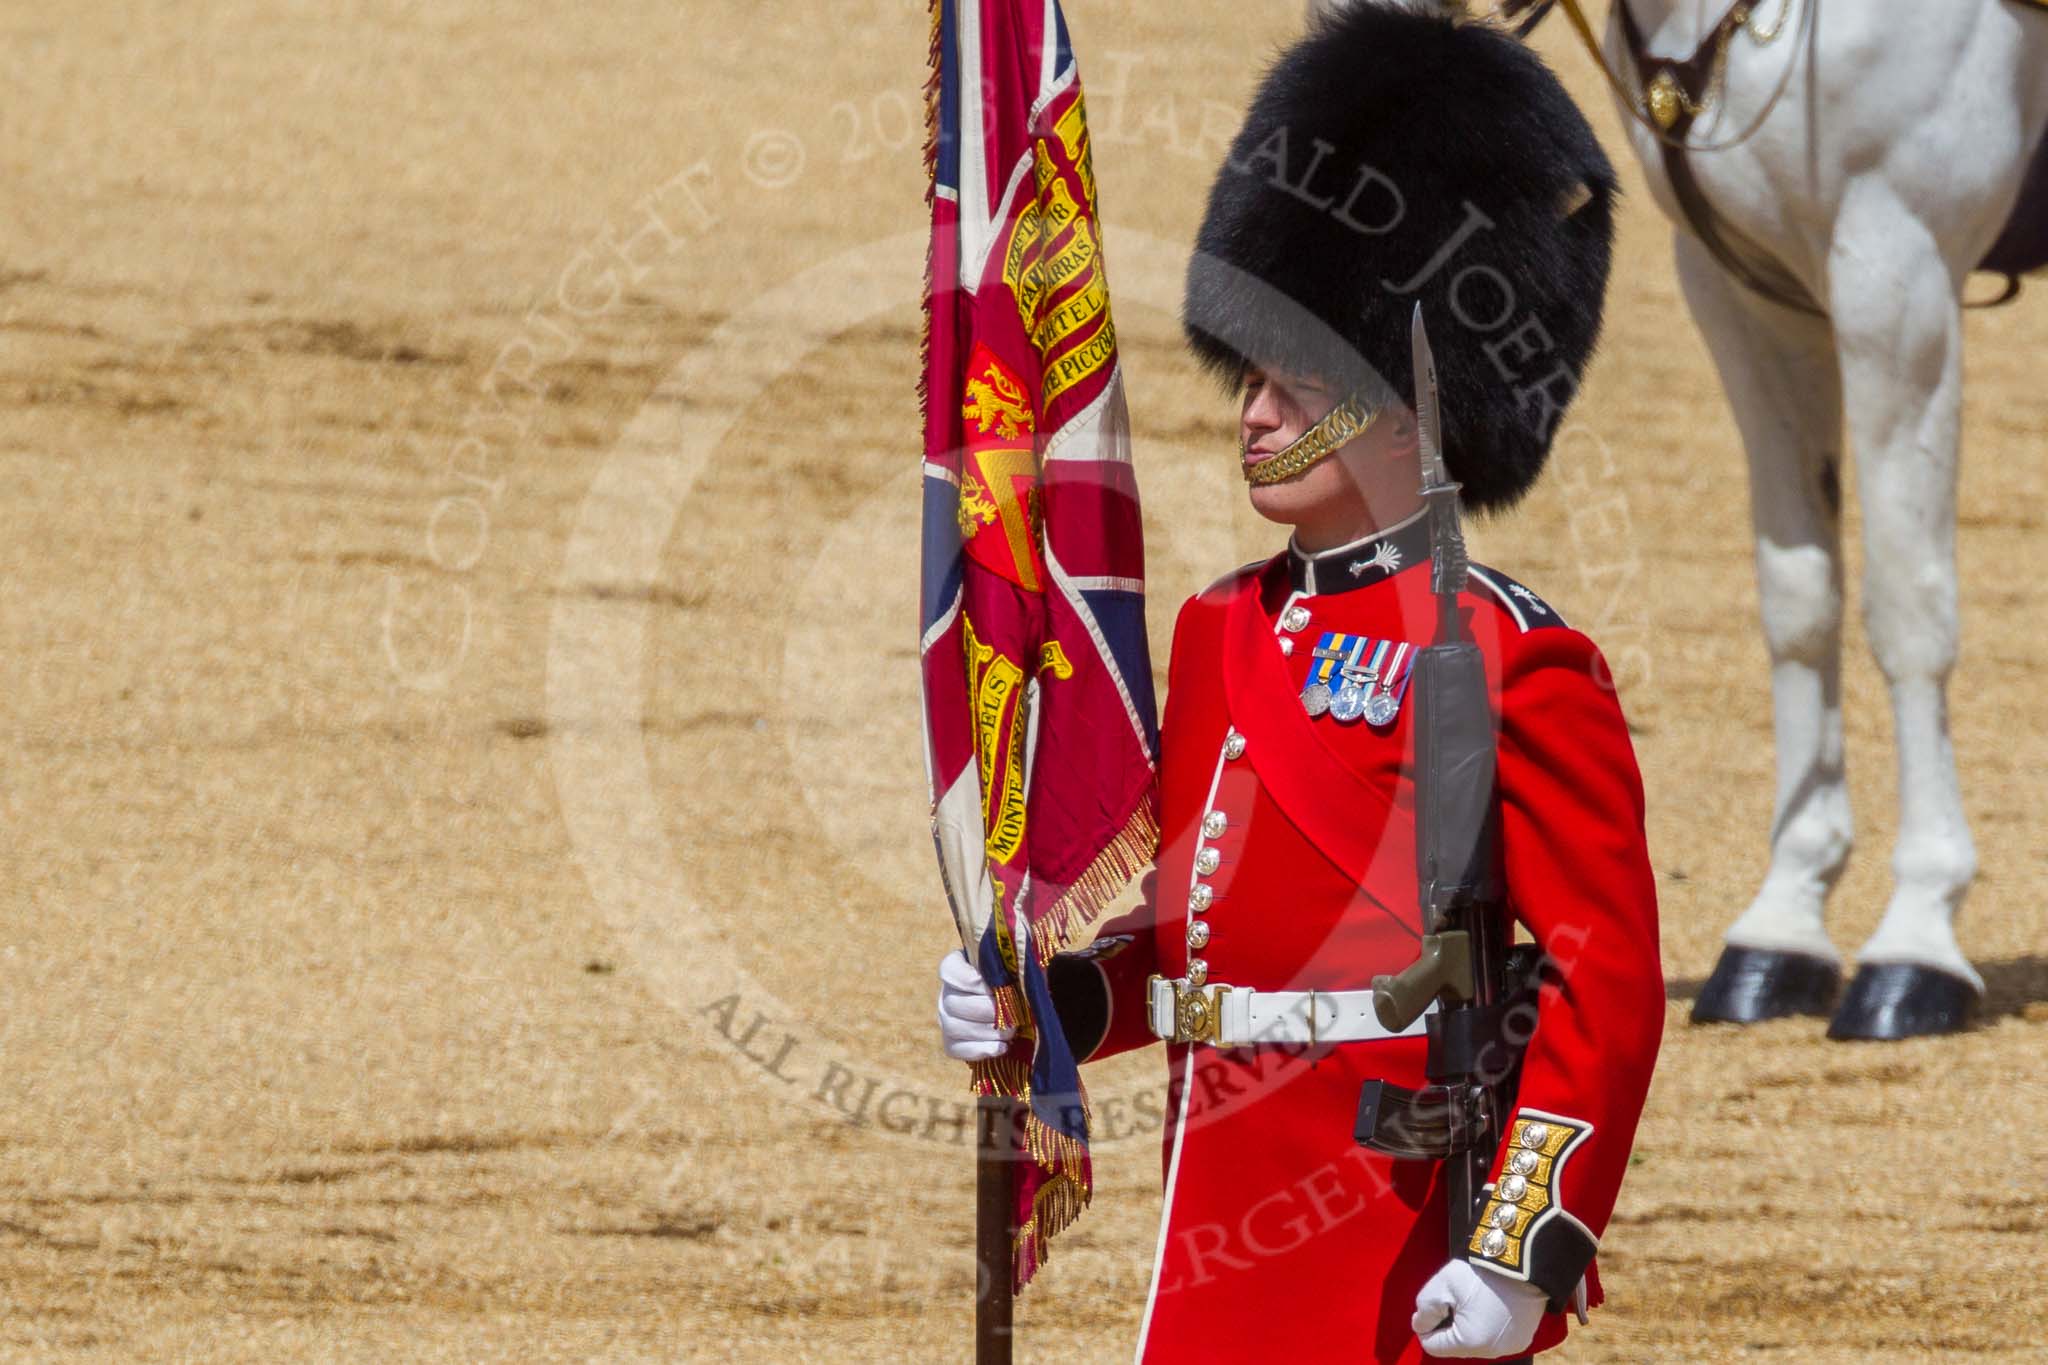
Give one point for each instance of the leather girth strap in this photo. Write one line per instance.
(2021, 248)
(1741, 257)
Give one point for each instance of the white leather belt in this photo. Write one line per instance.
(1238, 1016)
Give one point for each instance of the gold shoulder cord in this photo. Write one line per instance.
(1342, 423)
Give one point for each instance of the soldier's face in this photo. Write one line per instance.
(1330, 497)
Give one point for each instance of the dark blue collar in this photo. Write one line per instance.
(1362, 563)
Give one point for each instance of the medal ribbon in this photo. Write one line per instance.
(1369, 675)
(1336, 666)
(1394, 678)
(1329, 650)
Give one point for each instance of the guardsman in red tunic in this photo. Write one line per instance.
(1389, 159)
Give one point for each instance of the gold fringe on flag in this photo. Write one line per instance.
(1067, 1191)
(1046, 1145)
(1010, 1011)
(999, 1076)
(1056, 1205)
(1074, 915)
(1054, 1150)
(931, 162)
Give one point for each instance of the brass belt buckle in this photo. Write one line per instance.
(1197, 1013)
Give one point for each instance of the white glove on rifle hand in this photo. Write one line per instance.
(967, 1013)
(1475, 1314)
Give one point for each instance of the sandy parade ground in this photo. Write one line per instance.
(467, 892)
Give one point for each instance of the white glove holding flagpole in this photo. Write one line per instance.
(967, 1013)
(1475, 1314)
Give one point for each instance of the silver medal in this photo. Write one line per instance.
(1385, 702)
(1349, 703)
(1380, 708)
(1315, 699)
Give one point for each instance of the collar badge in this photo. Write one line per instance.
(1386, 555)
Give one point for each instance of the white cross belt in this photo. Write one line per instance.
(1238, 1016)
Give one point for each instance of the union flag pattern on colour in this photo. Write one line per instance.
(1041, 737)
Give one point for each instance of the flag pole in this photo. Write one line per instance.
(994, 1231)
(1019, 353)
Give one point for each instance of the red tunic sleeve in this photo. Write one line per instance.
(1100, 990)
(1579, 879)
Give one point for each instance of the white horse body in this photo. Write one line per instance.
(1880, 177)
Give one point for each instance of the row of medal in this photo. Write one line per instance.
(1370, 677)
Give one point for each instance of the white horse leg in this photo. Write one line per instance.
(1894, 299)
(1783, 382)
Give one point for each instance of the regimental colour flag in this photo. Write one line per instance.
(1041, 737)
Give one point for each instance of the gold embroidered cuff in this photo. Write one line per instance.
(1523, 1230)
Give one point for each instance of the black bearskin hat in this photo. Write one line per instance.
(1391, 158)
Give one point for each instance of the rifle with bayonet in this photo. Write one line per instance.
(1466, 968)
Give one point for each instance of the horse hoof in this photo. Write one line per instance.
(1753, 984)
(1890, 1000)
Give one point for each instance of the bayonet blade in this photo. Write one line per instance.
(1439, 490)
(1428, 420)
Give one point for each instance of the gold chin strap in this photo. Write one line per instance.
(1342, 423)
